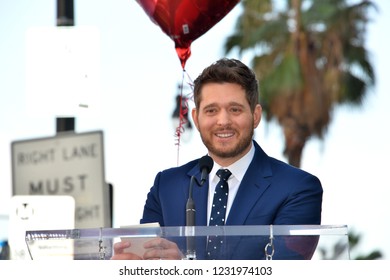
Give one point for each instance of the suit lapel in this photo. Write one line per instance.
(253, 185)
(200, 198)
(256, 180)
(199, 195)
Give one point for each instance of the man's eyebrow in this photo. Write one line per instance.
(233, 103)
(210, 105)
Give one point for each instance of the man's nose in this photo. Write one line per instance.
(224, 118)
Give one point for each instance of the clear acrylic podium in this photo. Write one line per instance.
(275, 242)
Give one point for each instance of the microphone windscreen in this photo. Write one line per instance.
(207, 163)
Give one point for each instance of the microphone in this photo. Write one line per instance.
(205, 165)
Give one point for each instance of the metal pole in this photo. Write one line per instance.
(65, 13)
(65, 17)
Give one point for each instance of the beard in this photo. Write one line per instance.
(235, 151)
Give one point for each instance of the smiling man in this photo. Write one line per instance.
(258, 189)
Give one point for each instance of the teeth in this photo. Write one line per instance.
(225, 135)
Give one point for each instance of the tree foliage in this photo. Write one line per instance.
(309, 56)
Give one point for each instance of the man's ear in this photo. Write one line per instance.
(194, 114)
(257, 115)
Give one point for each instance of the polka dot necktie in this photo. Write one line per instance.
(218, 212)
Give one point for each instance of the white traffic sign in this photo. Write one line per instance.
(67, 164)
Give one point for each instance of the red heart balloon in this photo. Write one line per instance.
(186, 20)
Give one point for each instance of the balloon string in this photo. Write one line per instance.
(183, 114)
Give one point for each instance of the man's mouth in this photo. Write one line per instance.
(224, 135)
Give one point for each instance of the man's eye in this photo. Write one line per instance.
(210, 111)
(235, 109)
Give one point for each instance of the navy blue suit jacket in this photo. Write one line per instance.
(271, 192)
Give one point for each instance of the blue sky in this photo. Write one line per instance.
(138, 76)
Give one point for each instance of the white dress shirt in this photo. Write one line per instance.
(238, 170)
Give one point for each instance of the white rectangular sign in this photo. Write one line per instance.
(67, 164)
(40, 212)
(63, 69)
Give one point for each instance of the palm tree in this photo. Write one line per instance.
(309, 56)
(340, 248)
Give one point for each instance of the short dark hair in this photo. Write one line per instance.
(228, 71)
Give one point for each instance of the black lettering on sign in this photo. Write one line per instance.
(35, 157)
(80, 152)
(87, 212)
(65, 185)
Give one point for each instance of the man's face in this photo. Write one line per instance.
(225, 121)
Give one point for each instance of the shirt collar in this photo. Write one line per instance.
(238, 168)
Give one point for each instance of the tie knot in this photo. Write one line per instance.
(224, 174)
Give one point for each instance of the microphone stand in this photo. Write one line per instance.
(190, 222)
(205, 164)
